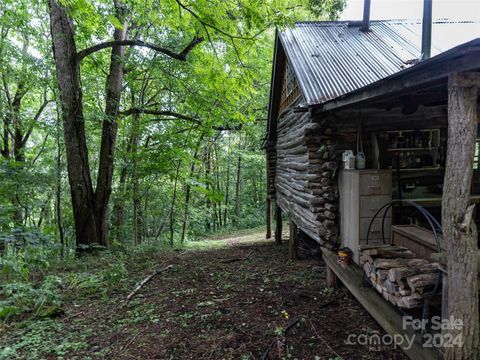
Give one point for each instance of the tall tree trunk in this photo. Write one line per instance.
(119, 206)
(68, 81)
(207, 181)
(58, 190)
(237, 191)
(110, 128)
(218, 204)
(5, 150)
(188, 189)
(172, 208)
(459, 230)
(131, 151)
(227, 186)
(137, 216)
(89, 207)
(137, 202)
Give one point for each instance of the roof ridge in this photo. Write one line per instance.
(435, 21)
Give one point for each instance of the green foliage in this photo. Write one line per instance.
(177, 178)
(44, 301)
(34, 255)
(38, 341)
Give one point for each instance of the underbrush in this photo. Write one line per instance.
(35, 282)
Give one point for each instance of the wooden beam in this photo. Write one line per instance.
(293, 241)
(465, 79)
(278, 224)
(384, 313)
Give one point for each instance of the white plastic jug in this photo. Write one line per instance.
(348, 160)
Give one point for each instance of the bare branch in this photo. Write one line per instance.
(182, 56)
(174, 115)
(35, 118)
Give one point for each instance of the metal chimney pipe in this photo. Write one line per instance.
(427, 29)
(366, 16)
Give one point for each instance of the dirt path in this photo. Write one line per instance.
(203, 308)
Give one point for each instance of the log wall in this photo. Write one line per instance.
(305, 163)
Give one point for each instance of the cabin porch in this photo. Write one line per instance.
(402, 125)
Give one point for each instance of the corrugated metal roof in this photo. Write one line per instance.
(331, 59)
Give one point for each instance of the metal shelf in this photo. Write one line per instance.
(412, 149)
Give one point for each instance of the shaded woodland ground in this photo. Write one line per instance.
(208, 305)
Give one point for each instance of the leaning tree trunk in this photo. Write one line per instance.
(109, 130)
(68, 81)
(459, 228)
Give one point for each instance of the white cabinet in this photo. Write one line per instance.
(362, 193)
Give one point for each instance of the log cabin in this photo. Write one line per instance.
(381, 89)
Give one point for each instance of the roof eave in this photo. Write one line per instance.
(464, 57)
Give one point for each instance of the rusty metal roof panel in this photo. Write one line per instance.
(331, 59)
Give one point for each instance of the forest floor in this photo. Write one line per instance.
(224, 298)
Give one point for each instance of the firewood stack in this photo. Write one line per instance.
(398, 275)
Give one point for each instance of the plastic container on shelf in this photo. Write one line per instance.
(348, 160)
(360, 160)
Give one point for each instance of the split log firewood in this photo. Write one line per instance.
(379, 288)
(391, 252)
(404, 291)
(396, 263)
(411, 301)
(381, 274)
(421, 281)
(396, 274)
(390, 287)
(374, 246)
(330, 207)
(367, 267)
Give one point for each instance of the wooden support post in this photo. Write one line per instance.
(444, 295)
(459, 230)
(269, 217)
(331, 277)
(293, 241)
(278, 224)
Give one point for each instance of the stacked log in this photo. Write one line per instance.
(398, 275)
(305, 163)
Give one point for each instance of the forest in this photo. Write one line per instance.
(134, 122)
(127, 128)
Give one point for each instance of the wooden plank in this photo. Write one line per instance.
(419, 234)
(386, 316)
